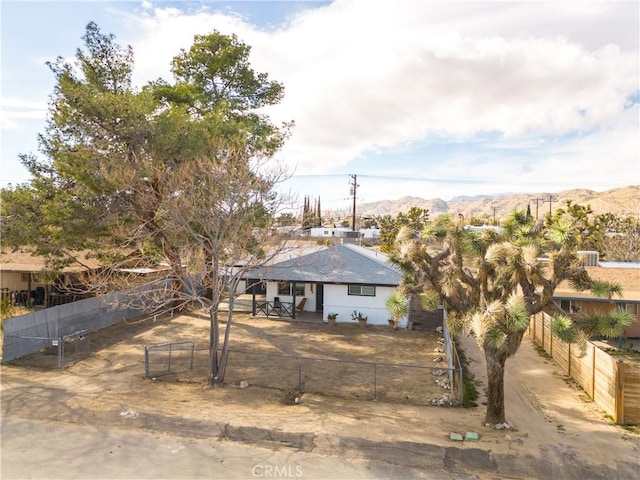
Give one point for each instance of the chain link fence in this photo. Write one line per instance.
(403, 383)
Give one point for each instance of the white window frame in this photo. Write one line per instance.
(362, 290)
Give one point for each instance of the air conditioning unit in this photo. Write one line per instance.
(589, 258)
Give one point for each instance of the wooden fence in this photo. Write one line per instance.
(613, 384)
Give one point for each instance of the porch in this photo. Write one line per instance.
(259, 306)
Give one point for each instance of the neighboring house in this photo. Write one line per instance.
(337, 279)
(329, 232)
(23, 279)
(626, 274)
(369, 233)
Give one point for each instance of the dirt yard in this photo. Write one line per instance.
(274, 357)
(553, 421)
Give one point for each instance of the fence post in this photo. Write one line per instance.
(299, 377)
(550, 341)
(593, 371)
(375, 381)
(60, 352)
(146, 361)
(534, 328)
(619, 392)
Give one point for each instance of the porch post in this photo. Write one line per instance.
(293, 310)
(253, 301)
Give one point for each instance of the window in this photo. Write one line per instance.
(571, 306)
(363, 290)
(24, 277)
(632, 308)
(284, 288)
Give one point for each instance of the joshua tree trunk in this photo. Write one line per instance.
(495, 386)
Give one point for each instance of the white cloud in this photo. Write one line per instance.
(363, 79)
(13, 110)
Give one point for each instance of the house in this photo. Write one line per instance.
(336, 279)
(27, 279)
(23, 277)
(626, 274)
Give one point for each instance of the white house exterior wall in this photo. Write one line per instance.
(309, 306)
(369, 233)
(328, 232)
(337, 300)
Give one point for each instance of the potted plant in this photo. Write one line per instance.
(360, 318)
(397, 305)
(331, 319)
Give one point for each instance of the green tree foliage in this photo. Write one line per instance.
(311, 213)
(415, 218)
(286, 219)
(173, 172)
(491, 283)
(611, 324)
(616, 238)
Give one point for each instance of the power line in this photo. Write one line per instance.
(457, 180)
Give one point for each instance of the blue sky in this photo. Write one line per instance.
(422, 98)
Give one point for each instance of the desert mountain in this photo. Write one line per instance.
(621, 201)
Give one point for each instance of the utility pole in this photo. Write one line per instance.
(354, 188)
(551, 199)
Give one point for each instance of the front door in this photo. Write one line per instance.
(319, 297)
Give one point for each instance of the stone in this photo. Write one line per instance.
(502, 426)
(244, 384)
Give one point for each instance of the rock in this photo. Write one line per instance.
(502, 426)
(243, 384)
(437, 372)
(513, 439)
(438, 350)
(443, 383)
(439, 329)
(438, 359)
(443, 401)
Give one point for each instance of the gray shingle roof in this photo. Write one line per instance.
(339, 264)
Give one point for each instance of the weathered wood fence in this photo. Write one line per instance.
(612, 384)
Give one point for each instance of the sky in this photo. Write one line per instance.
(432, 99)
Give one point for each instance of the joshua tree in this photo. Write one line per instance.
(397, 305)
(491, 283)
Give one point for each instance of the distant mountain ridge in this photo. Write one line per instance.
(623, 201)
